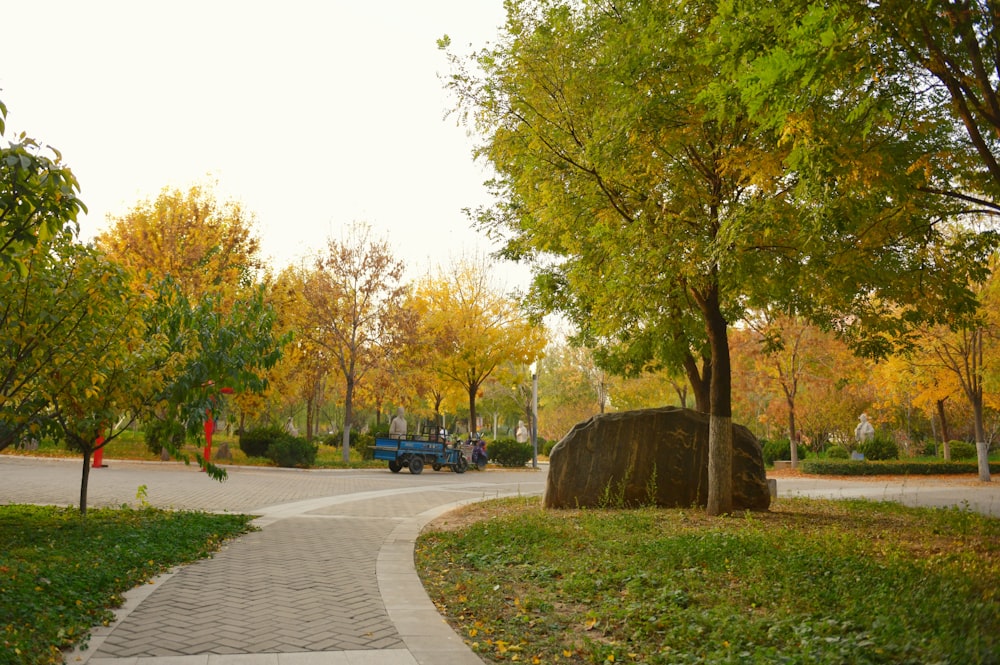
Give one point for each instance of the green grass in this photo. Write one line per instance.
(808, 582)
(61, 574)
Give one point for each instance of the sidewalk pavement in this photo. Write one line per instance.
(966, 492)
(330, 578)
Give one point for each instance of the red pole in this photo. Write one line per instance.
(99, 454)
(209, 428)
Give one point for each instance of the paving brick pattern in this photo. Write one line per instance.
(328, 579)
(299, 585)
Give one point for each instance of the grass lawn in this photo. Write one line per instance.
(810, 581)
(60, 574)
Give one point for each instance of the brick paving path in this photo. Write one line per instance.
(328, 580)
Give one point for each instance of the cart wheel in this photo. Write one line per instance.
(461, 465)
(436, 466)
(395, 466)
(416, 465)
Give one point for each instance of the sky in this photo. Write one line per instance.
(313, 113)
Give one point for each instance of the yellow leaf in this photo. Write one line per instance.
(590, 624)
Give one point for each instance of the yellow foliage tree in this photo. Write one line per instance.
(475, 327)
(204, 245)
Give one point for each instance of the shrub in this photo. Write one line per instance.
(879, 448)
(292, 451)
(892, 467)
(962, 450)
(780, 449)
(546, 449)
(255, 442)
(337, 438)
(509, 453)
(158, 432)
(837, 452)
(365, 444)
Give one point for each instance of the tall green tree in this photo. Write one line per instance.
(38, 196)
(957, 42)
(111, 368)
(632, 174)
(227, 350)
(55, 299)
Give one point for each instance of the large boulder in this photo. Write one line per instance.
(651, 456)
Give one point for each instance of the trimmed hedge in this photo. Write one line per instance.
(890, 468)
(509, 453)
(961, 450)
(878, 448)
(837, 452)
(780, 449)
(255, 442)
(292, 451)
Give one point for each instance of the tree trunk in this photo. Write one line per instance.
(720, 422)
(700, 380)
(792, 439)
(472, 408)
(682, 395)
(310, 424)
(84, 480)
(982, 447)
(348, 420)
(945, 434)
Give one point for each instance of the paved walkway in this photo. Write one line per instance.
(329, 579)
(932, 492)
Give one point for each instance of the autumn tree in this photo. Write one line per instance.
(207, 252)
(352, 297)
(786, 345)
(964, 351)
(205, 245)
(475, 327)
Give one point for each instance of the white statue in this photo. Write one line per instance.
(521, 434)
(864, 431)
(397, 427)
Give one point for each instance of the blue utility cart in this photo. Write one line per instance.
(416, 452)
